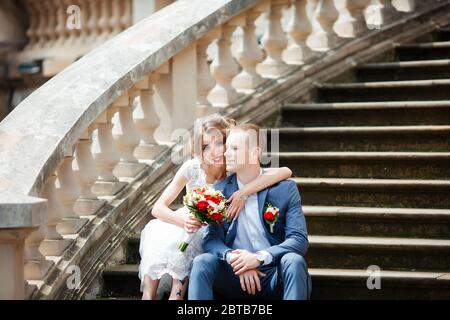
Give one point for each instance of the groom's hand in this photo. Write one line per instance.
(243, 260)
(250, 281)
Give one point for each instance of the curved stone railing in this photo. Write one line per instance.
(81, 149)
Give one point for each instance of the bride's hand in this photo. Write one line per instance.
(237, 202)
(191, 223)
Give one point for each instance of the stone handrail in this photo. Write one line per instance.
(68, 150)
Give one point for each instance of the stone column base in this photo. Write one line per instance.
(71, 225)
(88, 207)
(54, 247)
(107, 188)
(36, 270)
(128, 169)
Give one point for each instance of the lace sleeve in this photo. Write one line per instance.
(184, 169)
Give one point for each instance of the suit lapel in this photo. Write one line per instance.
(261, 202)
(231, 187)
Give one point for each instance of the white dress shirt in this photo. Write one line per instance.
(250, 233)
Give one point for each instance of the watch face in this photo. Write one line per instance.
(260, 258)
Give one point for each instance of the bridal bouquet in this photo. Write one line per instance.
(208, 205)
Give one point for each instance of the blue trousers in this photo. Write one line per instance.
(288, 279)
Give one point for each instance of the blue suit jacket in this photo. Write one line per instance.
(289, 232)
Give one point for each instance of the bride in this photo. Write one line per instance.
(160, 237)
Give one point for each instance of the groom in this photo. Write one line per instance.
(248, 258)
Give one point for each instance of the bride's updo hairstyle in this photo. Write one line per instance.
(215, 125)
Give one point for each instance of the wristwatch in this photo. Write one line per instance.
(260, 258)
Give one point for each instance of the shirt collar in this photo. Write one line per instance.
(241, 185)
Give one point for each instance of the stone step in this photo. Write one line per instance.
(132, 249)
(423, 51)
(358, 221)
(402, 254)
(123, 281)
(333, 284)
(407, 90)
(385, 113)
(376, 222)
(403, 70)
(382, 165)
(396, 193)
(381, 138)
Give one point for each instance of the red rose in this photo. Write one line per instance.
(216, 216)
(202, 205)
(269, 216)
(215, 200)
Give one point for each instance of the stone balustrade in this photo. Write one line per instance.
(61, 31)
(70, 149)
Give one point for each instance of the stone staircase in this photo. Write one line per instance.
(371, 158)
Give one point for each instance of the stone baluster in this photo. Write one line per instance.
(274, 42)
(78, 40)
(103, 22)
(387, 11)
(41, 27)
(379, 14)
(83, 33)
(249, 54)
(126, 137)
(92, 23)
(33, 26)
(146, 120)
(205, 81)
(126, 16)
(54, 244)
(60, 28)
(299, 29)
(86, 174)
(323, 37)
(224, 68)
(106, 156)
(114, 21)
(349, 26)
(36, 265)
(50, 33)
(404, 5)
(68, 192)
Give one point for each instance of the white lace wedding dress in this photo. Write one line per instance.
(159, 240)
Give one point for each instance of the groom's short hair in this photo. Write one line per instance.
(255, 129)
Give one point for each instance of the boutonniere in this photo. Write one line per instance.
(271, 215)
